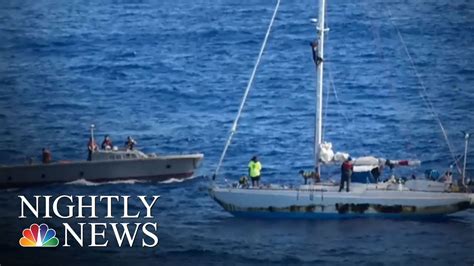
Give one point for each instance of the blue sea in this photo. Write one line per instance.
(172, 74)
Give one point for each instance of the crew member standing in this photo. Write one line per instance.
(130, 143)
(92, 147)
(46, 156)
(346, 172)
(254, 171)
(447, 179)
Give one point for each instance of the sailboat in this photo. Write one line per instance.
(414, 198)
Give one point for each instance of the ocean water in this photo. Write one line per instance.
(172, 73)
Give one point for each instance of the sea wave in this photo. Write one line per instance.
(176, 180)
(84, 182)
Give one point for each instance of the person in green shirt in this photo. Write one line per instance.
(254, 171)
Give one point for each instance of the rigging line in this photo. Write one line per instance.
(380, 51)
(331, 81)
(249, 85)
(333, 86)
(423, 93)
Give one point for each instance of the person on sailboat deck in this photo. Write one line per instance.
(46, 156)
(107, 143)
(447, 178)
(130, 143)
(91, 147)
(312, 175)
(346, 172)
(254, 171)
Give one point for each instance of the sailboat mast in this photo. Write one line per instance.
(318, 136)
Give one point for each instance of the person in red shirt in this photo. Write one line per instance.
(91, 146)
(46, 157)
(346, 172)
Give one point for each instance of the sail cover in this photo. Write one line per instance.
(327, 155)
(366, 164)
(361, 164)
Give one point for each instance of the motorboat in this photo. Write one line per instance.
(104, 165)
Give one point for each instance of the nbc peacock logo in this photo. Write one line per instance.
(39, 236)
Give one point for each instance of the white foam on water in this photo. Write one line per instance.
(176, 180)
(83, 182)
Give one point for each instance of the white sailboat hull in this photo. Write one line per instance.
(323, 202)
